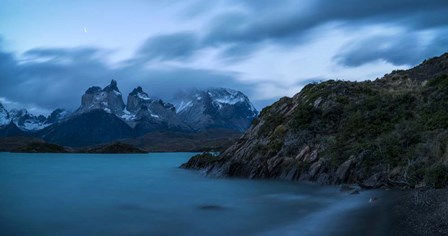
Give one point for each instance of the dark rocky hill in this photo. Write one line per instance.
(389, 132)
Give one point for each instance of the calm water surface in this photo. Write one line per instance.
(96, 194)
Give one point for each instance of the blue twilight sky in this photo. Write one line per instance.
(52, 51)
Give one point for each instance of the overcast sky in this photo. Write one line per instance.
(52, 51)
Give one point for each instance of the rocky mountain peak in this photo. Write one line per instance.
(112, 86)
(56, 116)
(93, 90)
(136, 91)
(108, 99)
(140, 102)
(215, 108)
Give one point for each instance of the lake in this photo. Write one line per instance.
(147, 194)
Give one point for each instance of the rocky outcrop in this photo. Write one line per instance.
(215, 108)
(388, 132)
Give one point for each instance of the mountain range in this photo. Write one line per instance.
(103, 117)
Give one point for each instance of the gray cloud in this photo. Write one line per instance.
(292, 22)
(270, 20)
(289, 23)
(176, 46)
(63, 53)
(57, 77)
(402, 49)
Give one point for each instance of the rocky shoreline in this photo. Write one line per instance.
(391, 133)
(387, 133)
(420, 212)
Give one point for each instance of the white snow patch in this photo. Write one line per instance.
(143, 96)
(127, 115)
(28, 125)
(198, 97)
(229, 100)
(183, 105)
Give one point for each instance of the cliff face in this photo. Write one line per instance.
(389, 132)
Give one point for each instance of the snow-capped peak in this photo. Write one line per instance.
(226, 96)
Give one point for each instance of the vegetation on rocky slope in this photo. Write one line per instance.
(389, 132)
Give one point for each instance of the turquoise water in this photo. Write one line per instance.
(96, 194)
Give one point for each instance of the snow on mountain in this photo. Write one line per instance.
(183, 105)
(26, 121)
(149, 114)
(29, 122)
(195, 110)
(4, 116)
(215, 108)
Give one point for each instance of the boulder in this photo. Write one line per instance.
(374, 181)
(314, 169)
(343, 170)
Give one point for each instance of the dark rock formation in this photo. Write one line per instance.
(115, 148)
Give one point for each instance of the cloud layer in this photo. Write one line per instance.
(265, 48)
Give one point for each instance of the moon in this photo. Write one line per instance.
(85, 30)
